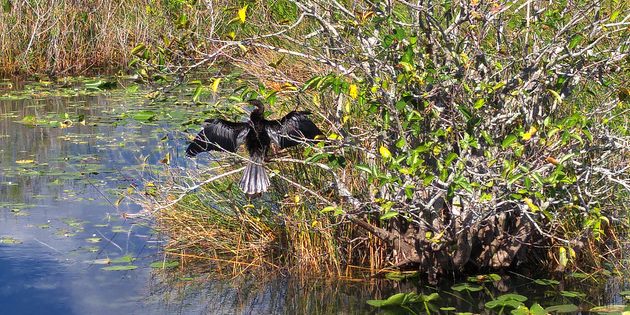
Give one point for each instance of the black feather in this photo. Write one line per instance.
(218, 135)
(292, 129)
(257, 134)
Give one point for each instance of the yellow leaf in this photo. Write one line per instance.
(66, 123)
(385, 152)
(242, 13)
(563, 259)
(24, 161)
(528, 135)
(556, 96)
(334, 136)
(571, 252)
(215, 85)
(119, 200)
(167, 159)
(354, 91)
(531, 205)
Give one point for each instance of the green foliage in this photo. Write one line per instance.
(442, 120)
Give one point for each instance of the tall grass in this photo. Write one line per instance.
(208, 219)
(61, 37)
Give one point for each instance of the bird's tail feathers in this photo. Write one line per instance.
(255, 179)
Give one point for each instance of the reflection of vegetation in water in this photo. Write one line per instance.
(488, 293)
(261, 294)
(66, 144)
(483, 294)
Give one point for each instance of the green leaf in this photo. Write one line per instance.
(564, 308)
(427, 180)
(614, 16)
(556, 96)
(479, 103)
(138, 50)
(145, 115)
(120, 268)
(521, 310)
(401, 275)
(536, 309)
(428, 298)
(93, 239)
(503, 303)
(389, 215)
(512, 297)
(394, 300)
(508, 141)
(164, 264)
(575, 40)
(467, 287)
(364, 168)
(485, 278)
(197, 93)
(572, 294)
(215, 85)
(450, 158)
(611, 309)
(123, 259)
(548, 282)
(312, 81)
(9, 240)
(328, 209)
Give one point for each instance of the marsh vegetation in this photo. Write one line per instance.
(463, 139)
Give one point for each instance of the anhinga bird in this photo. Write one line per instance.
(257, 134)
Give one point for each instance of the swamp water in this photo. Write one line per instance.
(66, 155)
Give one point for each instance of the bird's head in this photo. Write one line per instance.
(259, 112)
(260, 107)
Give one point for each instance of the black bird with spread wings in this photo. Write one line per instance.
(257, 134)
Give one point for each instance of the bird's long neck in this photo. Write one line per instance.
(257, 114)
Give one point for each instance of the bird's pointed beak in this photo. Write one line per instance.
(244, 107)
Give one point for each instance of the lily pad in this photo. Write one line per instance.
(120, 268)
(123, 259)
(548, 282)
(563, 308)
(573, 294)
(145, 115)
(93, 239)
(164, 264)
(395, 300)
(9, 240)
(485, 278)
(507, 300)
(617, 309)
(466, 287)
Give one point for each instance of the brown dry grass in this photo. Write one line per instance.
(76, 37)
(216, 225)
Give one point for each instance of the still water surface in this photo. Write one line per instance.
(61, 221)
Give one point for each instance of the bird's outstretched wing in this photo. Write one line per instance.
(218, 135)
(292, 129)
